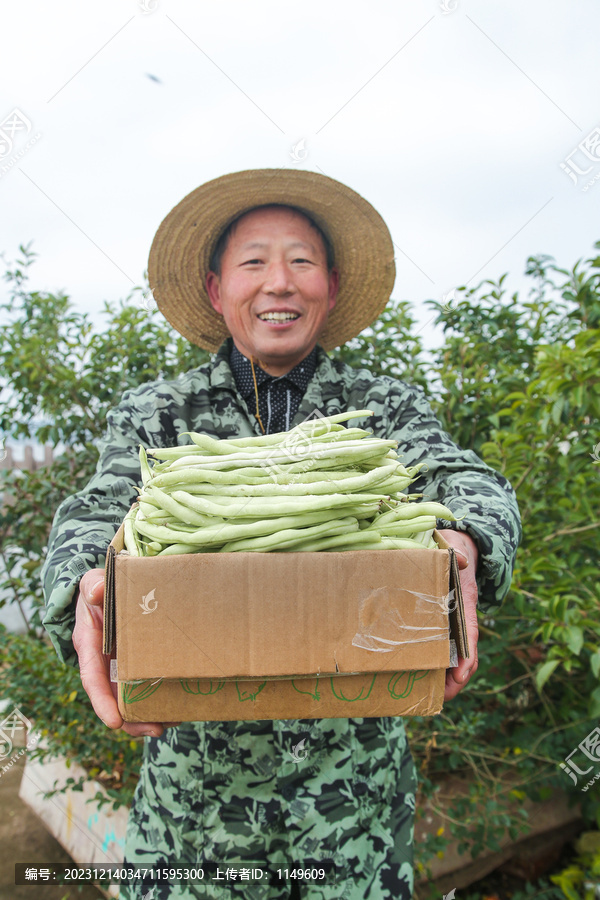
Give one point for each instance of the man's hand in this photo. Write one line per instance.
(93, 665)
(466, 556)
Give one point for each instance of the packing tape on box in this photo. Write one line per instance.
(383, 629)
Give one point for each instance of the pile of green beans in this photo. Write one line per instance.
(320, 486)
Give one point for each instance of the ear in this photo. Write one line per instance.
(334, 283)
(213, 289)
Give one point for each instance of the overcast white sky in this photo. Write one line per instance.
(451, 116)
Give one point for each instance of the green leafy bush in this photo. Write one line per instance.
(58, 380)
(521, 386)
(51, 695)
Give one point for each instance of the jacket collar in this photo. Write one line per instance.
(324, 394)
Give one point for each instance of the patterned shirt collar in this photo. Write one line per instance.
(299, 376)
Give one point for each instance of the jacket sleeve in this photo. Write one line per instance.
(459, 479)
(86, 522)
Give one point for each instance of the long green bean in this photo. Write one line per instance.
(311, 483)
(314, 427)
(291, 537)
(221, 534)
(377, 481)
(389, 543)
(356, 540)
(406, 526)
(355, 450)
(403, 511)
(232, 507)
(129, 536)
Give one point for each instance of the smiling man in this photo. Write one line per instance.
(270, 270)
(271, 282)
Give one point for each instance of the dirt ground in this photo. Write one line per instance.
(24, 839)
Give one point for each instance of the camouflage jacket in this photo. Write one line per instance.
(206, 400)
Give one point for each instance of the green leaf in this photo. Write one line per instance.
(545, 671)
(594, 704)
(575, 639)
(561, 608)
(547, 629)
(557, 408)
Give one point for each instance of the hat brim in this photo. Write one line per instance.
(182, 247)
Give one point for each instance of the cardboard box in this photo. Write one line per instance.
(232, 636)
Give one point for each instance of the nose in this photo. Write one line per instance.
(278, 278)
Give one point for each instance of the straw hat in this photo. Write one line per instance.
(183, 245)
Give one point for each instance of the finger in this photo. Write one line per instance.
(458, 677)
(91, 587)
(148, 729)
(461, 558)
(143, 729)
(93, 664)
(138, 729)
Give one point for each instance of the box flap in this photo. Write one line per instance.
(336, 696)
(109, 620)
(216, 615)
(458, 625)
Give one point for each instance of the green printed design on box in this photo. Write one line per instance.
(360, 696)
(314, 694)
(194, 686)
(249, 695)
(396, 678)
(134, 691)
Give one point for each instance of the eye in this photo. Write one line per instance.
(301, 260)
(252, 262)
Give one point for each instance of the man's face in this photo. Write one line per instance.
(274, 292)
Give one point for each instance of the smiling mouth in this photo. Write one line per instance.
(278, 316)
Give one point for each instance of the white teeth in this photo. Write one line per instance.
(277, 317)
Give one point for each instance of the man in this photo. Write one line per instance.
(270, 269)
